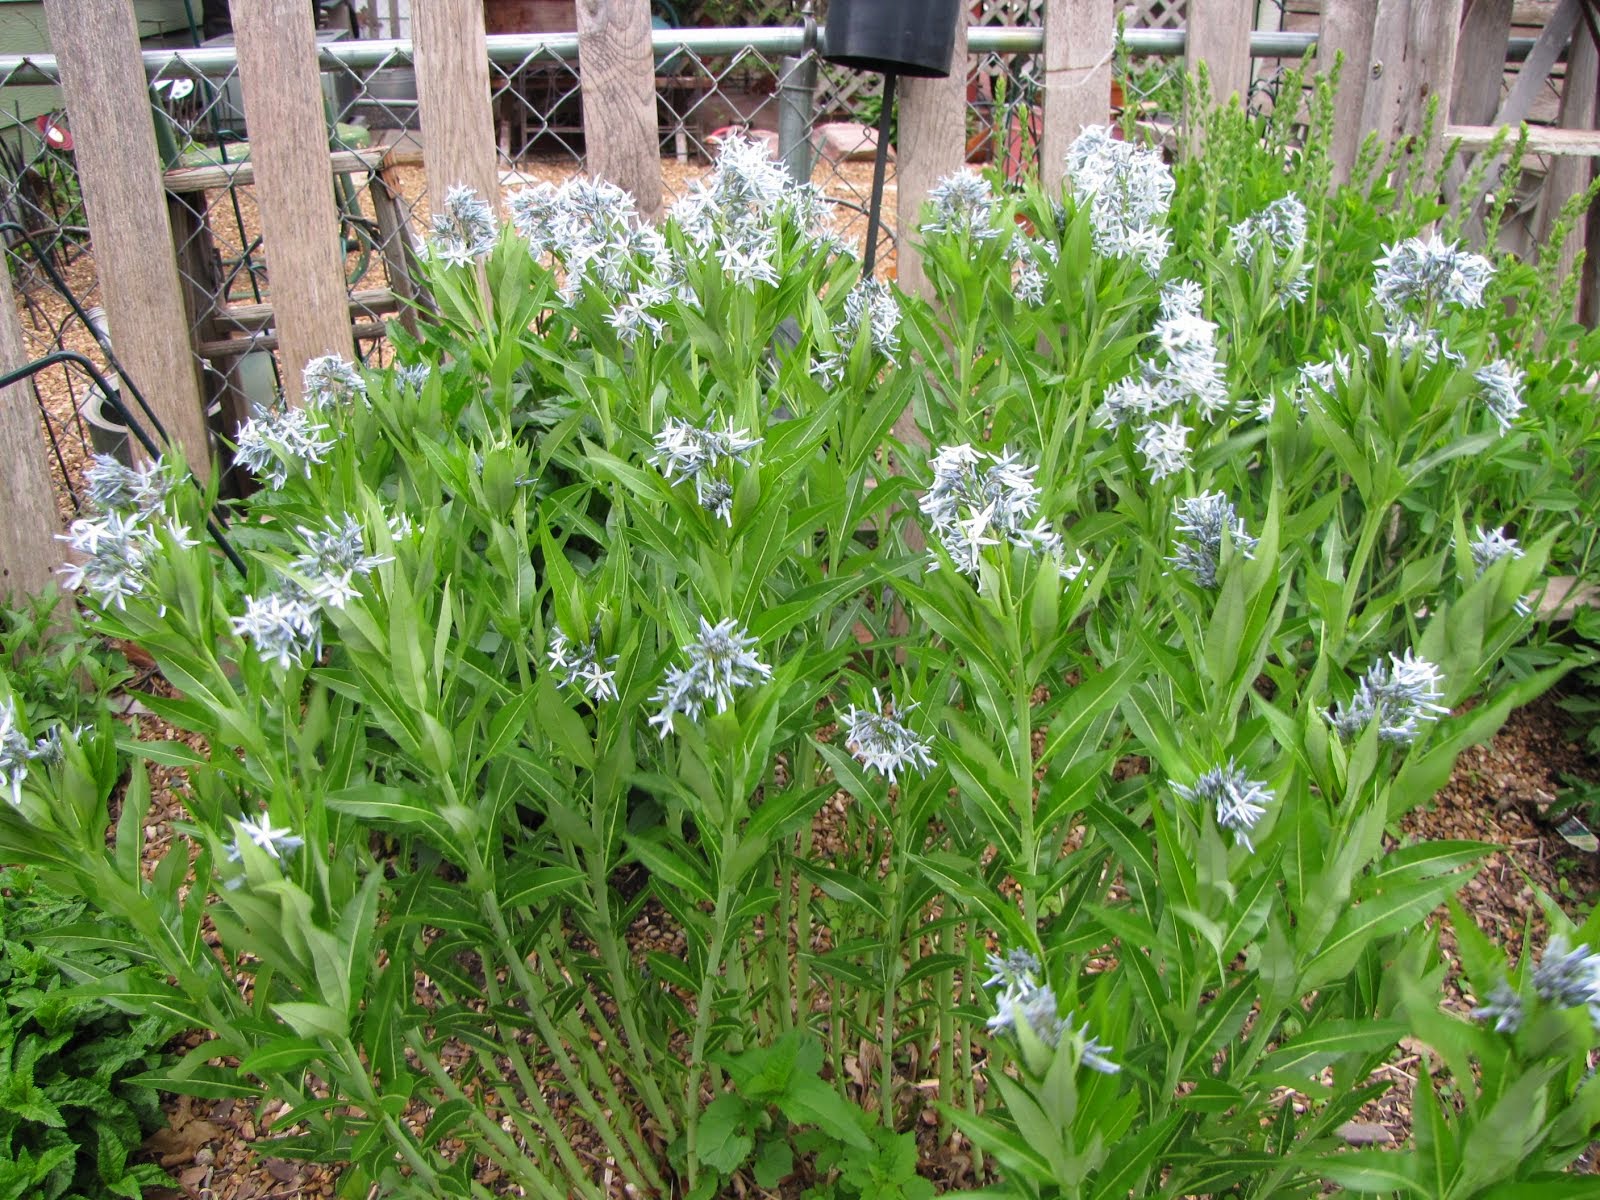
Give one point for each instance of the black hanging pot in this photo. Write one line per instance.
(899, 37)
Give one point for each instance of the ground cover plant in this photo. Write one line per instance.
(640, 757)
(73, 1110)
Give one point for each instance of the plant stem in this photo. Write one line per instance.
(704, 1005)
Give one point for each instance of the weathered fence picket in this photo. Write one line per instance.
(1570, 174)
(1219, 36)
(294, 183)
(1079, 36)
(28, 549)
(1480, 61)
(104, 82)
(931, 144)
(452, 66)
(1346, 38)
(617, 69)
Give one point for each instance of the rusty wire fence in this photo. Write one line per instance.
(766, 82)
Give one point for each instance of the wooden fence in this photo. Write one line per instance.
(1399, 54)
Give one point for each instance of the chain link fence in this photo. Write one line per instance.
(710, 84)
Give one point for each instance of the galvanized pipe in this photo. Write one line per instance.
(513, 49)
(797, 89)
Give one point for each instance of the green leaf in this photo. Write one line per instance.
(774, 1163)
(373, 802)
(724, 1143)
(210, 1083)
(809, 1101)
(1372, 1171)
(531, 886)
(313, 1020)
(1328, 1041)
(669, 867)
(844, 887)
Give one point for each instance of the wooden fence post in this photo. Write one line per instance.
(29, 552)
(1079, 39)
(102, 75)
(1414, 55)
(1480, 61)
(453, 98)
(617, 72)
(278, 71)
(1219, 36)
(1347, 30)
(931, 143)
(1570, 174)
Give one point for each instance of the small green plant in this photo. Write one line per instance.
(887, 1172)
(58, 671)
(740, 1128)
(72, 1111)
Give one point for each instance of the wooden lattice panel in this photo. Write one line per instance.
(1156, 14)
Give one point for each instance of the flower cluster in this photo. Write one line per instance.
(116, 550)
(1022, 999)
(1567, 977)
(1489, 546)
(592, 229)
(466, 230)
(1128, 189)
(964, 205)
(580, 219)
(721, 659)
(333, 558)
(414, 376)
(330, 381)
(112, 487)
(581, 666)
(1282, 225)
(1501, 383)
(881, 740)
(734, 211)
(1311, 383)
(285, 625)
(980, 499)
(1239, 801)
(1399, 696)
(116, 544)
(1411, 337)
(872, 307)
(702, 454)
(278, 441)
(1205, 521)
(1185, 370)
(1027, 271)
(16, 754)
(1430, 274)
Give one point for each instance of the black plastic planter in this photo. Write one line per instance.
(898, 37)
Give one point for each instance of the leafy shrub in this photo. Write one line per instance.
(1201, 560)
(71, 1110)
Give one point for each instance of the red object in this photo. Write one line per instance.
(53, 129)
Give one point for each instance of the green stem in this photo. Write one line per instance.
(704, 1006)
(621, 986)
(511, 1157)
(552, 1133)
(356, 1073)
(633, 1159)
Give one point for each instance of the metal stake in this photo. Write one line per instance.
(880, 167)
